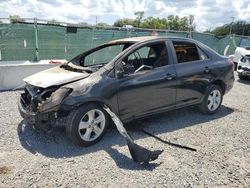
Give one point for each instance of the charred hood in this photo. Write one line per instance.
(54, 77)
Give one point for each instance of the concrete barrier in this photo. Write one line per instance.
(11, 76)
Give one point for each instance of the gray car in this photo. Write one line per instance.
(135, 77)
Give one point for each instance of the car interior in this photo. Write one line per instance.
(146, 58)
(186, 52)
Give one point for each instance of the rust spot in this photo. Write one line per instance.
(4, 170)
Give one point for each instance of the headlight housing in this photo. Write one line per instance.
(243, 59)
(52, 103)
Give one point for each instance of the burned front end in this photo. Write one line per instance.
(41, 107)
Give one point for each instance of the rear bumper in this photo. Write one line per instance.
(40, 120)
(229, 82)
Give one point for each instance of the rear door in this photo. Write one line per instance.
(193, 68)
(149, 89)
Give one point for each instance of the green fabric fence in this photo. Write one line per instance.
(18, 40)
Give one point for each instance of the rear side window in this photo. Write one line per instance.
(188, 52)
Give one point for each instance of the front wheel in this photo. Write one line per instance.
(212, 100)
(87, 124)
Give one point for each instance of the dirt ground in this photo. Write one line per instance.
(30, 158)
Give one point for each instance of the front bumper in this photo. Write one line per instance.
(30, 117)
(40, 120)
(244, 71)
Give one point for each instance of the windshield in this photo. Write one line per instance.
(100, 55)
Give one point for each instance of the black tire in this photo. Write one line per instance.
(73, 122)
(204, 106)
(241, 77)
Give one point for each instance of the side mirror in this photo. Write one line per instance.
(82, 60)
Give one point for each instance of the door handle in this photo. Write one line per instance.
(207, 70)
(170, 76)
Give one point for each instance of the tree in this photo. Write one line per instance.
(178, 24)
(238, 27)
(53, 22)
(102, 24)
(220, 31)
(171, 22)
(154, 23)
(139, 15)
(126, 21)
(15, 18)
(183, 24)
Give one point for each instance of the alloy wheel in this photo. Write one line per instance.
(214, 100)
(92, 125)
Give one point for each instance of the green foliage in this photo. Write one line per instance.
(126, 21)
(139, 15)
(16, 18)
(239, 28)
(101, 25)
(220, 31)
(154, 23)
(178, 24)
(171, 22)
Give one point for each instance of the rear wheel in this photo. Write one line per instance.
(212, 100)
(87, 125)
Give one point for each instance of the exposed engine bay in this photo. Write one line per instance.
(43, 99)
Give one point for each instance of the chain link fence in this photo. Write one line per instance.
(35, 41)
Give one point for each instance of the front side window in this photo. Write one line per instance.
(145, 58)
(188, 52)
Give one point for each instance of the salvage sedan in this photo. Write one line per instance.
(134, 77)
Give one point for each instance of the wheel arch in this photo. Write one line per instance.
(97, 101)
(221, 84)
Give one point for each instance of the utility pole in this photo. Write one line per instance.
(243, 30)
(230, 32)
(191, 20)
(36, 40)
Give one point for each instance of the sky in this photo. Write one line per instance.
(208, 13)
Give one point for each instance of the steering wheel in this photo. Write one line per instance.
(137, 62)
(142, 67)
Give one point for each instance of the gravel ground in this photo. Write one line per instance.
(29, 158)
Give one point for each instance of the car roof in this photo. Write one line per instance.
(134, 39)
(144, 38)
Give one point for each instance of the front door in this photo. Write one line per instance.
(148, 83)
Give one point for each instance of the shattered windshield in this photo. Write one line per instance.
(103, 55)
(100, 55)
